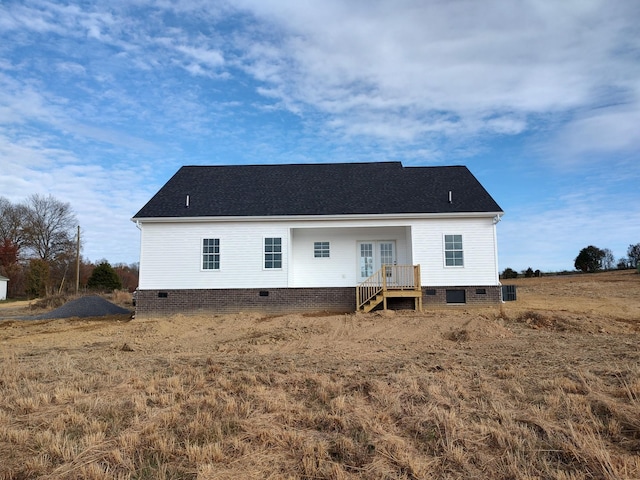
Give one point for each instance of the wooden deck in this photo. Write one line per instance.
(391, 281)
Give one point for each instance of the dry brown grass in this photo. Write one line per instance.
(49, 303)
(532, 389)
(121, 297)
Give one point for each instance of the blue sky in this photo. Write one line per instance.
(101, 102)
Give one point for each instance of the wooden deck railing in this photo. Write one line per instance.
(389, 277)
(368, 289)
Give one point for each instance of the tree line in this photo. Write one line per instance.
(591, 259)
(39, 251)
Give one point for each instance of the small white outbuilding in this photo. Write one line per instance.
(3, 287)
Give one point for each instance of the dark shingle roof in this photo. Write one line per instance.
(318, 189)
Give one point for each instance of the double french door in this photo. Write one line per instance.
(372, 255)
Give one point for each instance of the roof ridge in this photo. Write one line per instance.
(391, 162)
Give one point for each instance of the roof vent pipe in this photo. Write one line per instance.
(186, 204)
(450, 197)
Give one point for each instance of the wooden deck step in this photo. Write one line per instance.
(390, 281)
(372, 303)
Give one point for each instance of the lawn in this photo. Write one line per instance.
(547, 386)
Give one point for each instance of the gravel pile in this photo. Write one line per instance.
(92, 306)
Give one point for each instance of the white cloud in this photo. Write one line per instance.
(104, 198)
(108, 102)
(550, 231)
(71, 68)
(603, 131)
(490, 65)
(20, 102)
(507, 124)
(205, 56)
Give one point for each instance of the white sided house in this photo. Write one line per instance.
(317, 237)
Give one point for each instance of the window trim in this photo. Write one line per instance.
(265, 253)
(322, 249)
(202, 255)
(453, 250)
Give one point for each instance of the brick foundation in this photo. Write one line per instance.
(290, 300)
(268, 300)
(477, 295)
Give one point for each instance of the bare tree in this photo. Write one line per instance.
(608, 260)
(49, 231)
(11, 242)
(11, 224)
(633, 253)
(49, 227)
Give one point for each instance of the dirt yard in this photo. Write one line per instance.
(544, 387)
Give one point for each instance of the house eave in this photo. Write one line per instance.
(299, 218)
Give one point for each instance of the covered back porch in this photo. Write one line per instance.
(345, 255)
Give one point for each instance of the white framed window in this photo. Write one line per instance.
(321, 249)
(211, 254)
(272, 252)
(453, 252)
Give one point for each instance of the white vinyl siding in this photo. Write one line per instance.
(341, 268)
(171, 256)
(171, 253)
(480, 260)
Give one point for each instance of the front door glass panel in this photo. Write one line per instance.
(372, 256)
(366, 260)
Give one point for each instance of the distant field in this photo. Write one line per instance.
(544, 387)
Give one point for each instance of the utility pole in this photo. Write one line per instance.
(78, 262)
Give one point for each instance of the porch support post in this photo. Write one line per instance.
(384, 287)
(384, 278)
